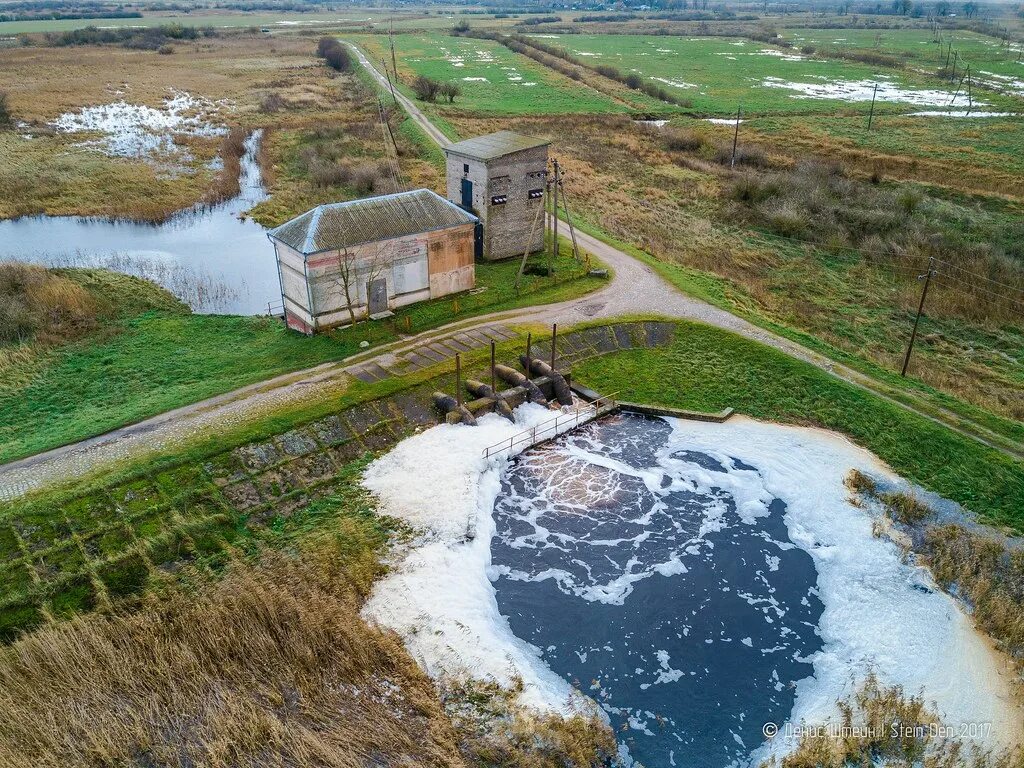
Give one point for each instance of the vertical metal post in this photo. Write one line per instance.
(736, 137)
(920, 308)
(871, 114)
(554, 339)
(458, 379)
(494, 388)
(529, 344)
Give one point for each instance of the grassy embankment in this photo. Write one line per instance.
(146, 353)
(707, 369)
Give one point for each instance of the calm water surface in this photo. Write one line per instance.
(210, 258)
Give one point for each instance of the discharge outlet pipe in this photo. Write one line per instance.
(455, 413)
(479, 389)
(516, 379)
(558, 382)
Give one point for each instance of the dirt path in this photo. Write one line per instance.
(634, 289)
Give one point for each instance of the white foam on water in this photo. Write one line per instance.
(438, 596)
(723, 120)
(877, 617)
(880, 613)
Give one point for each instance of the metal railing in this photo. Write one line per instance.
(275, 308)
(563, 422)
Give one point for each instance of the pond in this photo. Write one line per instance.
(646, 587)
(210, 257)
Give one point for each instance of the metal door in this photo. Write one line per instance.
(467, 194)
(377, 296)
(478, 242)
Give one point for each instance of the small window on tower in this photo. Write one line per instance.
(499, 199)
(535, 194)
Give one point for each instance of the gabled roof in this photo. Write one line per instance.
(495, 145)
(344, 225)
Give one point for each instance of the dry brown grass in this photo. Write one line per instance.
(271, 667)
(37, 304)
(883, 726)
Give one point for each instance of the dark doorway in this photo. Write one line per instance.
(478, 242)
(467, 194)
(377, 296)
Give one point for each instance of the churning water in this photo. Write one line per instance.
(209, 257)
(684, 615)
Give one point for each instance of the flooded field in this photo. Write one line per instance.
(210, 257)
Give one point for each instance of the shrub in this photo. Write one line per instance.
(461, 27)
(335, 54)
(450, 91)
(272, 102)
(6, 118)
(808, 50)
(426, 89)
(166, 49)
(38, 303)
(683, 141)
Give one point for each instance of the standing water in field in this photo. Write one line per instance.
(208, 256)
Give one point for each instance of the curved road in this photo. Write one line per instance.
(634, 289)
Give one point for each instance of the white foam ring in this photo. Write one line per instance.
(880, 613)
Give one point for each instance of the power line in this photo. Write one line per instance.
(981, 277)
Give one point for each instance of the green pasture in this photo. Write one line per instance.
(991, 61)
(493, 79)
(717, 74)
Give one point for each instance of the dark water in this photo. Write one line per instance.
(208, 257)
(618, 555)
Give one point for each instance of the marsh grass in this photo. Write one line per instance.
(271, 665)
(982, 567)
(884, 726)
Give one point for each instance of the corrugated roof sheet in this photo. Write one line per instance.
(344, 225)
(495, 145)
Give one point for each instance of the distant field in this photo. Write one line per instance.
(275, 21)
(718, 74)
(493, 78)
(990, 61)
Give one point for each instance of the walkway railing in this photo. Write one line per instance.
(562, 423)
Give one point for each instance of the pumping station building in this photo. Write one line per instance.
(500, 177)
(366, 257)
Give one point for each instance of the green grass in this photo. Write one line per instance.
(718, 74)
(722, 293)
(707, 369)
(144, 365)
(494, 80)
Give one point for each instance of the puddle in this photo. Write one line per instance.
(136, 130)
(210, 258)
(961, 114)
(674, 83)
(861, 91)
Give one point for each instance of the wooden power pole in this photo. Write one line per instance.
(871, 114)
(554, 206)
(920, 309)
(736, 136)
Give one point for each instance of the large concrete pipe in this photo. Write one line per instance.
(479, 389)
(558, 382)
(516, 379)
(453, 411)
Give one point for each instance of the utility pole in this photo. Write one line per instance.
(736, 137)
(871, 114)
(391, 40)
(920, 308)
(970, 96)
(391, 85)
(554, 206)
